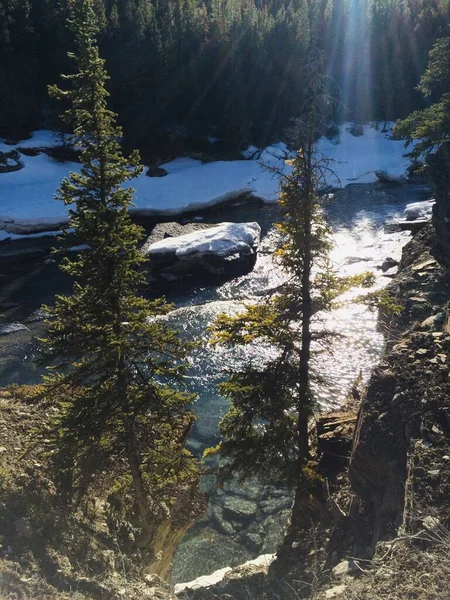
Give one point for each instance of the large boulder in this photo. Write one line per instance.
(215, 250)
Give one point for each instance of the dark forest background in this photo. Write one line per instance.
(228, 67)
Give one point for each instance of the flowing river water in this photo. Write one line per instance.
(244, 521)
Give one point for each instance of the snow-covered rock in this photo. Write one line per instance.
(391, 176)
(222, 250)
(220, 241)
(419, 210)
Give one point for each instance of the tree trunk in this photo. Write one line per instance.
(132, 452)
(304, 400)
(136, 473)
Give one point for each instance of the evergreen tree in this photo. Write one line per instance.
(115, 366)
(265, 431)
(431, 126)
(430, 129)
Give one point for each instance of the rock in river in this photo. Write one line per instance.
(239, 508)
(213, 249)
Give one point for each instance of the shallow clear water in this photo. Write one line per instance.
(245, 521)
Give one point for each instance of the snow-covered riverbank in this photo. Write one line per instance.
(27, 205)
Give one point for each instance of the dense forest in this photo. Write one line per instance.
(231, 64)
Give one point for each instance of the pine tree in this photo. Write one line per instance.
(265, 431)
(430, 129)
(431, 126)
(115, 365)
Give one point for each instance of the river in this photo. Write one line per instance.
(244, 520)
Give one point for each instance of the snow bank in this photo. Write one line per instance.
(42, 138)
(220, 241)
(359, 158)
(26, 196)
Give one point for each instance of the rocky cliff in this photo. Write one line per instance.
(400, 460)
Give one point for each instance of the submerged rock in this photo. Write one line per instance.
(239, 508)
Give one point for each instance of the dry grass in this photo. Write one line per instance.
(410, 573)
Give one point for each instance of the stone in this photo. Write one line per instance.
(273, 528)
(335, 591)
(221, 241)
(156, 172)
(388, 263)
(223, 250)
(401, 225)
(433, 472)
(239, 508)
(343, 568)
(223, 525)
(398, 399)
(425, 265)
(252, 541)
(274, 505)
(422, 352)
(419, 210)
(433, 322)
(12, 328)
(431, 523)
(251, 489)
(439, 163)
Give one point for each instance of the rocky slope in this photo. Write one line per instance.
(87, 552)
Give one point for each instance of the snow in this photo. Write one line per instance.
(26, 196)
(42, 138)
(358, 158)
(418, 210)
(205, 581)
(221, 241)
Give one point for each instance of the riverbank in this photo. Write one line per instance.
(186, 185)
